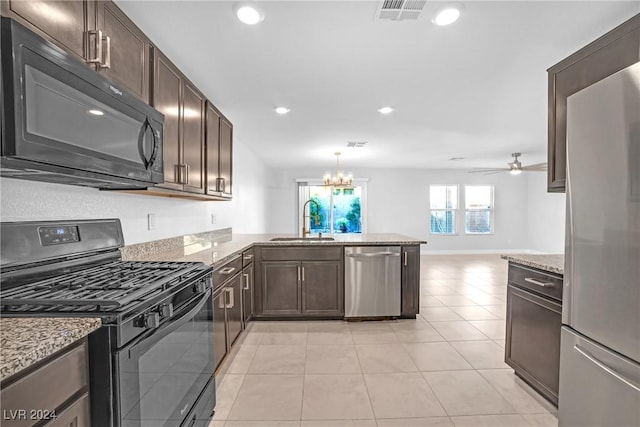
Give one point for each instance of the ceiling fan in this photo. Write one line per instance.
(515, 167)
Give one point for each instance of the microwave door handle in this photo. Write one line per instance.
(154, 151)
(143, 131)
(142, 344)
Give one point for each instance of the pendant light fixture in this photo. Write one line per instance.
(339, 180)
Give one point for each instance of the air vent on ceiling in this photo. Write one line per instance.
(356, 144)
(455, 159)
(400, 10)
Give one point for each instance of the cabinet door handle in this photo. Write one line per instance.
(227, 270)
(177, 172)
(246, 282)
(303, 273)
(107, 62)
(298, 267)
(537, 282)
(231, 297)
(248, 257)
(220, 185)
(222, 301)
(406, 261)
(98, 47)
(187, 173)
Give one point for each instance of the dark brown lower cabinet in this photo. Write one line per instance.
(54, 392)
(233, 288)
(301, 289)
(247, 293)
(322, 290)
(219, 326)
(410, 282)
(281, 288)
(532, 346)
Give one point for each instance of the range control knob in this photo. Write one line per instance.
(165, 310)
(152, 320)
(201, 287)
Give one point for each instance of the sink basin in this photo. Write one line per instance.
(302, 239)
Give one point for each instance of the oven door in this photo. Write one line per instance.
(161, 375)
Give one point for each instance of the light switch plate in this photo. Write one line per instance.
(213, 218)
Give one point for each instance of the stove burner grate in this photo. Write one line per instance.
(108, 285)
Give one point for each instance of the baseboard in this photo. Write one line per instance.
(479, 252)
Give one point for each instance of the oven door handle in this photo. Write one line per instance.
(144, 343)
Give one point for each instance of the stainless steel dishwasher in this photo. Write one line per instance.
(372, 281)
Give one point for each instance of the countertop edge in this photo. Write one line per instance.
(217, 252)
(551, 263)
(46, 335)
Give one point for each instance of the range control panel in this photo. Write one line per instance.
(58, 235)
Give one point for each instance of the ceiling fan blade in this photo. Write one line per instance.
(496, 171)
(485, 170)
(538, 167)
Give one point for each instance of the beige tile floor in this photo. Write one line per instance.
(443, 369)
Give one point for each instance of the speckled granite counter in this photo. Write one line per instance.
(553, 263)
(25, 341)
(217, 249)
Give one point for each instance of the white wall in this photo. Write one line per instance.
(398, 203)
(29, 200)
(546, 216)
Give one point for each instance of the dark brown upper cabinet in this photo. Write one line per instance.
(64, 23)
(226, 158)
(213, 149)
(123, 50)
(97, 32)
(183, 107)
(609, 54)
(219, 153)
(166, 98)
(198, 139)
(193, 150)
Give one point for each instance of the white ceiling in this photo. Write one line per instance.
(476, 89)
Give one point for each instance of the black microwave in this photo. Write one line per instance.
(63, 122)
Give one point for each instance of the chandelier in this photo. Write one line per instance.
(339, 180)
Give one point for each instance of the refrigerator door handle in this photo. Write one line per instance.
(606, 368)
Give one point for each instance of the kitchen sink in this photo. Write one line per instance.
(302, 239)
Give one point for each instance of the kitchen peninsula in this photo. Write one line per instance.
(277, 277)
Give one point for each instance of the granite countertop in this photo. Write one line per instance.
(25, 341)
(553, 263)
(216, 250)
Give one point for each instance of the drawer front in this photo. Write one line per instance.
(536, 281)
(46, 388)
(247, 257)
(302, 253)
(532, 345)
(227, 271)
(77, 415)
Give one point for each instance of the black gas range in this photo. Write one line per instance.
(151, 363)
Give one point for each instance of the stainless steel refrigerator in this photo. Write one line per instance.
(600, 340)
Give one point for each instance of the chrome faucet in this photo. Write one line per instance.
(304, 217)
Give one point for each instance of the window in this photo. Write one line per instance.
(478, 207)
(443, 203)
(336, 210)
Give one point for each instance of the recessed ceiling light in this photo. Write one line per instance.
(385, 110)
(96, 112)
(447, 15)
(282, 110)
(248, 14)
